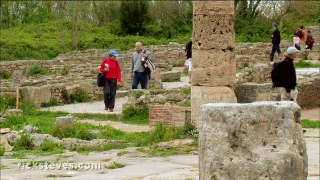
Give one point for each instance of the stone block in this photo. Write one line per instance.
(64, 121)
(5, 130)
(37, 95)
(4, 143)
(210, 58)
(202, 95)
(222, 75)
(213, 7)
(213, 32)
(168, 115)
(250, 92)
(261, 140)
(170, 76)
(12, 112)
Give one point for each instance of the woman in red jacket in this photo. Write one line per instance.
(110, 67)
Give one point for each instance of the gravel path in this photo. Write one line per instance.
(119, 125)
(91, 107)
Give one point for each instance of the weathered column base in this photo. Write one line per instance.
(262, 140)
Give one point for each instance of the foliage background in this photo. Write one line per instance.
(44, 29)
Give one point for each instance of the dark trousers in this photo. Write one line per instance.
(275, 47)
(140, 77)
(109, 92)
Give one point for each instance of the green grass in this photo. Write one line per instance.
(169, 79)
(5, 75)
(186, 103)
(2, 150)
(52, 102)
(305, 64)
(306, 123)
(36, 69)
(136, 116)
(7, 102)
(115, 165)
(121, 153)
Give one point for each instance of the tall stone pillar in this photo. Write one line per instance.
(214, 70)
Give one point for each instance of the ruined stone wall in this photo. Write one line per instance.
(261, 140)
(169, 115)
(213, 74)
(308, 88)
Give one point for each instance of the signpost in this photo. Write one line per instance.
(16, 81)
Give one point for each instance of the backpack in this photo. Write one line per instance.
(275, 74)
(300, 34)
(148, 66)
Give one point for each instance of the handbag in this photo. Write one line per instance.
(101, 79)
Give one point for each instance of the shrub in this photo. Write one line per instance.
(2, 150)
(169, 79)
(186, 91)
(246, 65)
(186, 103)
(65, 70)
(135, 115)
(136, 94)
(23, 143)
(162, 133)
(75, 131)
(7, 102)
(79, 95)
(5, 75)
(115, 166)
(36, 69)
(52, 102)
(49, 145)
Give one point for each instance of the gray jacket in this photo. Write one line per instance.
(136, 65)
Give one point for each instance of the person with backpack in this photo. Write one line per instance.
(302, 34)
(309, 40)
(284, 76)
(138, 69)
(275, 42)
(296, 41)
(111, 68)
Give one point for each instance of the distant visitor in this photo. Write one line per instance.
(139, 73)
(275, 42)
(111, 68)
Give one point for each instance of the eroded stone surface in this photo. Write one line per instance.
(252, 141)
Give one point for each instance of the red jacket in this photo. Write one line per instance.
(114, 69)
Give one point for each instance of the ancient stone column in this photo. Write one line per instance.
(261, 140)
(214, 70)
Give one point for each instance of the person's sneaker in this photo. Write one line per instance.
(271, 62)
(111, 110)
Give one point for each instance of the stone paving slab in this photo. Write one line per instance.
(90, 107)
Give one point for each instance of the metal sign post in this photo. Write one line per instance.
(16, 81)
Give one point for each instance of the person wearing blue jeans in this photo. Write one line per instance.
(138, 71)
(275, 42)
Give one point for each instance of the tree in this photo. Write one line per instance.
(134, 17)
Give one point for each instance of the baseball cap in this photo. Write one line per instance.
(274, 24)
(113, 53)
(292, 50)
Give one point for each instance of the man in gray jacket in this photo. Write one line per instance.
(137, 68)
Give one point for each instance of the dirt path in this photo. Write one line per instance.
(312, 114)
